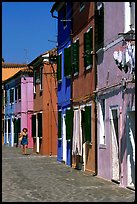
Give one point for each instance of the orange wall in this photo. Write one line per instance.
(47, 103)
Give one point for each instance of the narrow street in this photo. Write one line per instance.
(36, 178)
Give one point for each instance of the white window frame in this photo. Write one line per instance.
(34, 83)
(41, 78)
(59, 81)
(129, 16)
(102, 133)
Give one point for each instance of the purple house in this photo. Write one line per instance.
(18, 106)
(116, 94)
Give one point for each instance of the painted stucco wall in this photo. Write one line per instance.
(108, 75)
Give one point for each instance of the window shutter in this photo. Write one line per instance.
(59, 123)
(88, 47)
(15, 132)
(33, 125)
(76, 57)
(88, 123)
(59, 62)
(19, 91)
(67, 61)
(16, 93)
(39, 124)
(69, 124)
(99, 28)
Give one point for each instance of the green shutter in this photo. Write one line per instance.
(59, 62)
(88, 47)
(15, 132)
(67, 61)
(76, 57)
(59, 123)
(88, 123)
(39, 124)
(99, 28)
(69, 124)
(33, 125)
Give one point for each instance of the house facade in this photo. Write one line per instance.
(8, 70)
(44, 118)
(18, 106)
(83, 86)
(116, 94)
(63, 10)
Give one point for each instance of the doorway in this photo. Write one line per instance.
(115, 144)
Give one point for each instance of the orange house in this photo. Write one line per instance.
(44, 118)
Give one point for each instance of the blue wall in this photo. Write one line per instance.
(64, 87)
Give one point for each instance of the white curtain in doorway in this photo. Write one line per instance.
(77, 133)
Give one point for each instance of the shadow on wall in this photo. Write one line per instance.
(125, 142)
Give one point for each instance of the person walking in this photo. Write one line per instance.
(24, 140)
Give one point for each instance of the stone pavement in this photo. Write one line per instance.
(35, 178)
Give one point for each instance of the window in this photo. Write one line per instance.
(75, 57)
(129, 16)
(59, 67)
(34, 86)
(39, 124)
(59, 123)
(69, 124)
(99, 28)
(88, 48)
(19, 91)
(33, 125)
(88, 123)
(6, 98)
(102, 121)
(132, 24)
(82, 6)
(11, 95)
(16, 92)
(67, 61)
(9, 126)
(41, 73)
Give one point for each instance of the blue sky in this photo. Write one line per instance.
(27, 28)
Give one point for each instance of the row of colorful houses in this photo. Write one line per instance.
(96, 88)
(83, 109)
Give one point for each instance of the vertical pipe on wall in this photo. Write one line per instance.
(95, 85)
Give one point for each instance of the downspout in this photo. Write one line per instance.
(95, 85)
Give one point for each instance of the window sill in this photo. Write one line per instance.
(88, 67)
(75, 74)
(69, 76)
(102, 146)
(60, 138)
(60, 81)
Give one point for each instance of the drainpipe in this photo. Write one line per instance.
(95, 85)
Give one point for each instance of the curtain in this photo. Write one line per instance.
(77, 133)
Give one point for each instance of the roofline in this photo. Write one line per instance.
(24, 71)
(40, 57)
(13, 65)
(57, 6)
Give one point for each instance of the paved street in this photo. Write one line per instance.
(35, 178)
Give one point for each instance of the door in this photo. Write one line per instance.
(64, 139)
(131, 149)
(114, 144)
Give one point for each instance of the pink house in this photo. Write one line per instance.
(18, 106)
